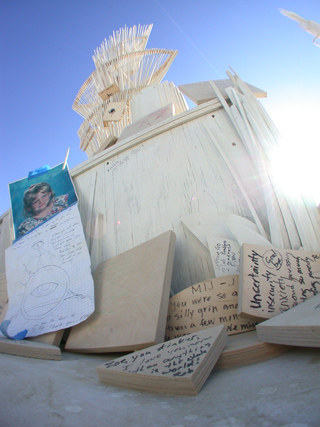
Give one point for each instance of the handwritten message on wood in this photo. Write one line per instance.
(50, 286)
(225, 255)
(206, 304)
(274, 280)
(179, 366)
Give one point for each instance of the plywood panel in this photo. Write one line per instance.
(274, 280)
(180, 366)
(28, 348)
(243, 349)
(5, 238)
(299, 326)
(131, 296)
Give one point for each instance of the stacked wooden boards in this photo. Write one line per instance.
(299, 326)
(29, 348)
(179, 366)
(131, 298)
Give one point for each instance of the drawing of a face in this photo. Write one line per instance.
(41, 201)
(46, 290)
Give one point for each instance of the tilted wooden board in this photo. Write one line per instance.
(275, 280)
(243, 349)
(206, 304)
(299, 326)
(131, 294)
(28, 348)
(180, 366)
(201, 92)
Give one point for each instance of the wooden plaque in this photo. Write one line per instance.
(114, 111)
(108, 92)
(206, 304)
(274, 280)
(132, 293)
(180, 366)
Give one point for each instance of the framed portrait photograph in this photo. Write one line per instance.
(39, 197)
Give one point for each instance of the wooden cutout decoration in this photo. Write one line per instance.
(242, 349)
(114, 111)
(132, 295)
(299, 326)
(225, 255)
(201, 92)
(180, 366)
(274, 280)
(206, 304)
(28, 348)
(108, 92)
(147, 121)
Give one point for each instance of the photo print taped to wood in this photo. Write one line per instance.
(39, 197)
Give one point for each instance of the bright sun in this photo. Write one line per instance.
(296, 166)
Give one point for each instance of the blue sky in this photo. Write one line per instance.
(46, 49)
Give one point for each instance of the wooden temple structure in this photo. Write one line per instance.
(154, 164)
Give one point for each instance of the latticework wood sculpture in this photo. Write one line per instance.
(123, 68)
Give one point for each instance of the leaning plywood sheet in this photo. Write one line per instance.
(204, 305)
(28, 348)
(201, 92)
(132, 295)
(274, 280)
(298, 326)
(5, 238)
(180, 366)
(245, 348)
(3, 294)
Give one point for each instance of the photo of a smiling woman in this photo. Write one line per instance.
(40, 204)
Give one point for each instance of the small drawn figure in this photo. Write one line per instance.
(40, 204)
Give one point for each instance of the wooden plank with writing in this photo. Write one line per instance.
(180, 366)
(274, 280)
(132, 293)
(299, 326)
(206, 304)
(225, 255)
